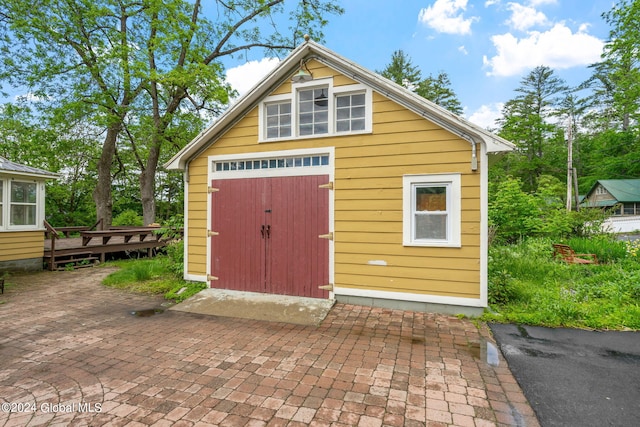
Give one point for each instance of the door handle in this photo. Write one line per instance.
(262, 231)
(268, 231)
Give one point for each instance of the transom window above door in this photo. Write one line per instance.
(316, 109)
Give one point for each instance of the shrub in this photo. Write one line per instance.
(128, 217)
(175, 252)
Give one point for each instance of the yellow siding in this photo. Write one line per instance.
(21, 245)
(368, 199)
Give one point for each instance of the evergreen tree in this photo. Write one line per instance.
(528, 121)
(436, 89)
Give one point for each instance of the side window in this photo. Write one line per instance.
(431, 210)
(1, 202)
(24, 197)
(278, 118)
(350, 112)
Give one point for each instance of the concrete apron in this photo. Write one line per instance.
(257, 306)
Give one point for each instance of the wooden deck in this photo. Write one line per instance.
(93, 245)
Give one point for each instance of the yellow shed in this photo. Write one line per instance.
(327, 180)
(22, 195)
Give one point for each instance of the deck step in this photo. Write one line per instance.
(74, 261)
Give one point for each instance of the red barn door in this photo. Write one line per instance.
(266, 235)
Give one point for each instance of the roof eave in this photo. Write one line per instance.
(245, 102)
(427, 109)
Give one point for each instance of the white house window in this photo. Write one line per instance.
(23, 207)
(350, 112)
(278, 116)
(431, 210)
(316, 109)
(313, 111)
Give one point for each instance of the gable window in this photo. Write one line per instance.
(316, 109)
(313, 112)
(278, 116)
(431, 210)
(350, 112)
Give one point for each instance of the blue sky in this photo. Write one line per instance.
(485, 46)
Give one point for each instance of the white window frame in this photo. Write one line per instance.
(6, 204)
(452, 182)
(332, 93)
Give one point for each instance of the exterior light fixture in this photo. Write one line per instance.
(303, 74)
(321, 100)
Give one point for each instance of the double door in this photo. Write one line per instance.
(266, 235)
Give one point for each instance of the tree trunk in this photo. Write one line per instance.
(148, 184)
(102, 193)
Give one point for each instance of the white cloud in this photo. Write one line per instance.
(463, 50)
(556, 48)
(524, 17)
(486, 115)
(245, 76)
(446, 16)
(535, 3)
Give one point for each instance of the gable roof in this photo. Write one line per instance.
(624, 190)
(311, 50)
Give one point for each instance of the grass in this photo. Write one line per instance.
(527, 286)
(151, 276)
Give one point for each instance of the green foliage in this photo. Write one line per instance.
(527, 121)
(515, 214)
(527, 286)
(175, 252)
(153, 276)
(128, 217)
(184, 291)
(142, 275)
(401, 71)
(512, 212)
(143, 80)
(436, 89)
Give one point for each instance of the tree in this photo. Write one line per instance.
(527, 121)
(41, 141)
(402, 71)
(137, 68)
(621, 59)
(438, 89)
(435, 89)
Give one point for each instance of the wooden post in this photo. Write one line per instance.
(569, 161)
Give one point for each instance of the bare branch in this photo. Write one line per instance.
(232, 30)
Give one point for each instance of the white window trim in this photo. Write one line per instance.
(5, 182)
(454, 195)
(332, 92)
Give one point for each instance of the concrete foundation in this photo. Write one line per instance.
(425, 307)
(21, 265)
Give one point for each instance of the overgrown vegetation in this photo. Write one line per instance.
(526, 285)
(159, 275)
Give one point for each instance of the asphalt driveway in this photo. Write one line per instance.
(574, 377)
(73, 352)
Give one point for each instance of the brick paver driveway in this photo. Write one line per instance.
(71, 353)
